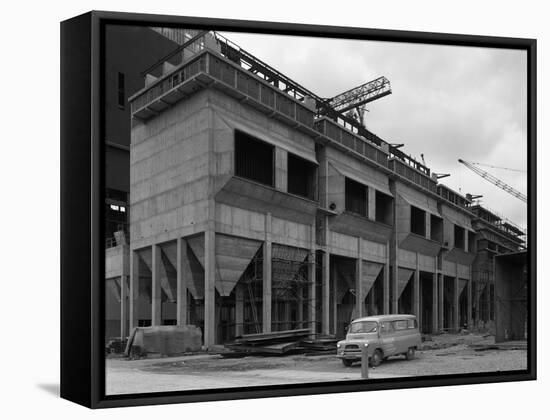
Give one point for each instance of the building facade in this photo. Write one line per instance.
(252, 213)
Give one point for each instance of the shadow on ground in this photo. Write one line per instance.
(52, 389)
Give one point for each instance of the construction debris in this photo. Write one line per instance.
(280, 342)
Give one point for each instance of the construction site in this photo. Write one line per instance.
(241, 204)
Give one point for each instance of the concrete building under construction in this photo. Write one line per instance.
(257, 206)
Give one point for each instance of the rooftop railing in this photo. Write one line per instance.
(413, 175)
(338, 134)
(225, 74)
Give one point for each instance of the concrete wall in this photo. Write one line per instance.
(169, 173)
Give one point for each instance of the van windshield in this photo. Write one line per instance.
(363, 327)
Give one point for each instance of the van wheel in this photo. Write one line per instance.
(410, 353)
(347, 363)
(376, 358)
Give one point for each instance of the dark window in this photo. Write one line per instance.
(412, 323)
(459, 237)
(386, 327)
(436, 228)
(121, 90)
(400, 325)
(384, 208)
(470, 243)
(301, 177)
(418, 221)
(253, 159)
(116, 209)
(356, 197)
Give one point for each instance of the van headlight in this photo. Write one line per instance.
(338, 345)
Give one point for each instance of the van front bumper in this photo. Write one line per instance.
(350, 351)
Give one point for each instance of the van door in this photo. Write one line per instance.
(401, 336)
(387, 338)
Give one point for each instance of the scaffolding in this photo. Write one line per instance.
(291, 295)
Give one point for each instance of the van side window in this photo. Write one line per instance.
(412, 323)
(400, 325)
(386, 328)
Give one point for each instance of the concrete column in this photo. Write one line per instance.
(435, 303)
(209, 287)
(359, 302)
(239, 309)
(440, 302)
(416, 293)
(386, 284)
(181, 292)
(281, 169)
(134, 289)
(123, 307)
(455, 305)
(156, 290)
(395, 297)
(476, 299)
(469, 297)
(428, 225)
(334, 302)
(325, 280)
(326, 293)
(267, 272)
(312, 271)
(371, 203)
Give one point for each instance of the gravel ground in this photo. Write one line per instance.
(444, 354)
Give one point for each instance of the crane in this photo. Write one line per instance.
(494, 180)
(358, 96)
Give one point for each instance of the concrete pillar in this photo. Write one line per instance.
(181, 287)
(326, 293)
(395, 297)
(428, 225)
(325, 280)
(371, 203)
(123, 307)
(209, 287)
(312, 271)
(476, 300)
(156, 289)
(455, 304)
(239, 309)
(435, 303)
(134, 289)
(469, 297)
(334, 303)
(281, 169)
(267, 272)
(416, 293)
(359, 301)
(386, 284)
(440, 302)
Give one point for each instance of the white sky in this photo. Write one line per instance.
(448, 102)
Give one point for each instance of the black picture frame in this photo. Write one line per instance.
(82, 181)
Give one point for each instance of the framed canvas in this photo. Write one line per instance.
(256, 209)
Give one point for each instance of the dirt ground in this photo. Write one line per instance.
(442, 354)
